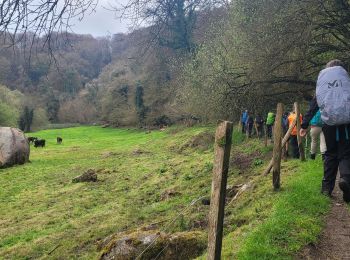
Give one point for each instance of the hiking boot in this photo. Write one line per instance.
(312, 156)
(345, 187)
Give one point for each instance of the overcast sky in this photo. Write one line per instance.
(100, 23)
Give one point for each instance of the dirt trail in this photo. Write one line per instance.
(334, 242)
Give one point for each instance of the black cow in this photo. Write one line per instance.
(59, 140)
(31, 139)
(39, 143)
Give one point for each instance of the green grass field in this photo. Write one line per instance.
(44, 215)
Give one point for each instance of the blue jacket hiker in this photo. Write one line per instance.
(244, 118)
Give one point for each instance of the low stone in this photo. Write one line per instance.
(14, 147)
(88, 176)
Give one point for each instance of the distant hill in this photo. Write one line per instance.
(99, 80)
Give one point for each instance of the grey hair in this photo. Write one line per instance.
(334, 63)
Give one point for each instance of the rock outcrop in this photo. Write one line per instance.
(14, 147)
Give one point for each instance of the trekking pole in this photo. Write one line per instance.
(306, 144)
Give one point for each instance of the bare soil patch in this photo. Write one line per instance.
(243, 161)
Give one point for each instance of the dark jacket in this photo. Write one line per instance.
(313, 108)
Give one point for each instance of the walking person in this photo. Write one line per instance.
(244, 118)
(316, 133)
(270, 120)
(249, 125)
(332, 99)
(293, 135)
(259, 122)
(285, 125)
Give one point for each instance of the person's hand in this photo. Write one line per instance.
(302, 132)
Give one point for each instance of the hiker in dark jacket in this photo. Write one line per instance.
(332, 93)
(249, 125)
(259, 122)
(285, 125)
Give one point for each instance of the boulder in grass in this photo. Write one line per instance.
(153, 244)
(88, 176)
(14, 147)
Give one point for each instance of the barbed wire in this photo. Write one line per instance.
(167, 226)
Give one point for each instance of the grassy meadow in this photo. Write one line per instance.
(148, 178)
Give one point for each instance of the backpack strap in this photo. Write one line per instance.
(337, 134)
(346, 133)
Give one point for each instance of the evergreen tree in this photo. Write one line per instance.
(140, 107)
(26, 119)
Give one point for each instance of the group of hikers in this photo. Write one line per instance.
(249, 123)
(328, 118)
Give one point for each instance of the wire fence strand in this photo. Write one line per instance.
(167, 226)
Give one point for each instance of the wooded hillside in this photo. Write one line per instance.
(205, 64)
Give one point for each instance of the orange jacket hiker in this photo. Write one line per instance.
(291, 118)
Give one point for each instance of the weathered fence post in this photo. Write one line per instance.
(284, 142)
(300, 141)
(277, 147)
(222, 148)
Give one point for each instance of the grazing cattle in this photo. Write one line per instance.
(32, 139)
(39, 143)
(59, 140)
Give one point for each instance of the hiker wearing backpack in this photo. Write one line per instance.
(249, 125)
(244, 118)
(285, 125)
(259, 122)
(293, 135)
(333, 100)
(269, 123)
(315, 133)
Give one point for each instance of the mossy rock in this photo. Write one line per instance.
(182, 245)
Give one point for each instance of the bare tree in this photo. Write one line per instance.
(172, 21)
(27, 20)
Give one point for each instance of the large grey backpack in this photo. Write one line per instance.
(333, 95)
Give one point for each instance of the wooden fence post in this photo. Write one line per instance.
(222, 148)
(300, 141)
(284, 142)
(265, 136)
(277, 147)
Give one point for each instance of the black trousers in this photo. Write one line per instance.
(243, 128)
(294, 144)
(269, 131)
(260, 129)
(336, 156)
(249, 129)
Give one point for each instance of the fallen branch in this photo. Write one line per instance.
(49, 253)
(240, 191)
(284, 141)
